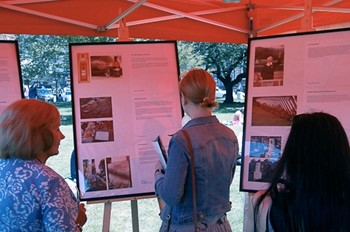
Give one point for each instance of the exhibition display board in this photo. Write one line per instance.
(125, 94)
(10, 73)
(289, 75)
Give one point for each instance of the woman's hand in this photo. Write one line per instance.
(82, 218)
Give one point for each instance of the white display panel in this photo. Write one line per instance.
(311, 73)
(124, 96)
(10, 74)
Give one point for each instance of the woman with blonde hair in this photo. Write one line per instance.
(215, 151)
(33, 197)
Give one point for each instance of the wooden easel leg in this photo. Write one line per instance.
(107, 216)
(135, 216)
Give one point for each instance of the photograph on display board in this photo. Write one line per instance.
(97, 131)
(268, 66)
(96, 107)
(106, 66)
(119, 172)
(274, 110)
(260, 170)
(120, 89)
(265, 147)
(94, 179)
(83, 67)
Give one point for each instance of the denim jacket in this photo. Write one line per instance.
(215, 148)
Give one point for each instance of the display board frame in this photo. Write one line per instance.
(310, 73)
(125, 94)
(10, 73)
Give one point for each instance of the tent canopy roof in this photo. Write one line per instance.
(191, 20)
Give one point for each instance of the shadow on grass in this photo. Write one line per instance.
(229, 108)
(65, 109)
(66, 120)
(63, 105)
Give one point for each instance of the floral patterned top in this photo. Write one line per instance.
(33, 197)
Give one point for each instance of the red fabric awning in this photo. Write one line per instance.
(190, 20)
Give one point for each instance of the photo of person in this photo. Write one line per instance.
(269, 66)
(106, 66)
(265, 147)
(97, 131)
(94, 180)
(273, 110)
(261, 170)
(119, 173)
(96, 107)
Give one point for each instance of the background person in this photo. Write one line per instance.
(215, 150)
(33, 197)
(310, 189)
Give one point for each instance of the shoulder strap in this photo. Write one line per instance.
(190, 149)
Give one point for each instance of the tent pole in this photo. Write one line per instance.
(125, 13)
(250, 13)
(123, 31)
(306, 21)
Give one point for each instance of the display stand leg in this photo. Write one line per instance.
(107, 216)
(135, 216)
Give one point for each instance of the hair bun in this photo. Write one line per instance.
(209, 102)
(206, 100)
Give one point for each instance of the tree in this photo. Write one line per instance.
(227, 63)
(187, 57)
(45, 59)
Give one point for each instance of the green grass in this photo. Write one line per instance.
(121, 219)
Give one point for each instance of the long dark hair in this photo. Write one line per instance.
(316, 165)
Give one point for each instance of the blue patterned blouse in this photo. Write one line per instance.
(33, 197)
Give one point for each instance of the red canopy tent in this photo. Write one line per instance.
(191, 20)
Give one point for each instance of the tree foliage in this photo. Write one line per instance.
(227, 62)
(45, 59)
(187, 57)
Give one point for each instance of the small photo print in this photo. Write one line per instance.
(106, 66)
(96, 107)
(268, 66)
(97, 131)
(119, 172)
(274, 110)
(94, 175)
(261, 170)
(83, 67)
(265, 147)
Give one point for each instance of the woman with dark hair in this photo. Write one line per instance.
(310, 188)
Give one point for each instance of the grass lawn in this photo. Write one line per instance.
(121, 219)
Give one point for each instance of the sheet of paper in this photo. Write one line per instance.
(124, 96)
